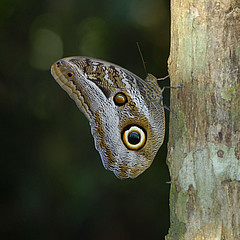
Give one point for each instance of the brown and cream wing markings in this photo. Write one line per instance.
(125, 113)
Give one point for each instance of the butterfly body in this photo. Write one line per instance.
(125, 113)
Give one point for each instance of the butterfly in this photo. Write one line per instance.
(125, 112)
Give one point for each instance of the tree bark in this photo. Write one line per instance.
(204, 139)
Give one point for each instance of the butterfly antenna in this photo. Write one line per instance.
(144, 64)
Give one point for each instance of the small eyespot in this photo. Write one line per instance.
(70, 74)
(134, 137)
(120, 99)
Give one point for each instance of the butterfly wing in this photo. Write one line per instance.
(127, 131)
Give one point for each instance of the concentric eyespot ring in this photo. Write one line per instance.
(70, 74)
(134, 137)
(120, 99)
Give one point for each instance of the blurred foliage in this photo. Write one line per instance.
(53, 184)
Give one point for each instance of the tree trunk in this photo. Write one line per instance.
(204, 139)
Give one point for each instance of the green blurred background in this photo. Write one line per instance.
(53, 183)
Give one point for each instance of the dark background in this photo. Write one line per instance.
(53, 183)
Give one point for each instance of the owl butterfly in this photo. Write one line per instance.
(126, 113)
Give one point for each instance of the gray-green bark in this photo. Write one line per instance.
(204, 140)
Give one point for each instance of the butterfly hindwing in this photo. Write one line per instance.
(126, 128)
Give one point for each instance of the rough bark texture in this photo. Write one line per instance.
(204, 146)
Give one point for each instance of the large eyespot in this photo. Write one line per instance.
(134, 137)
(70, 74)
(120, 99)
